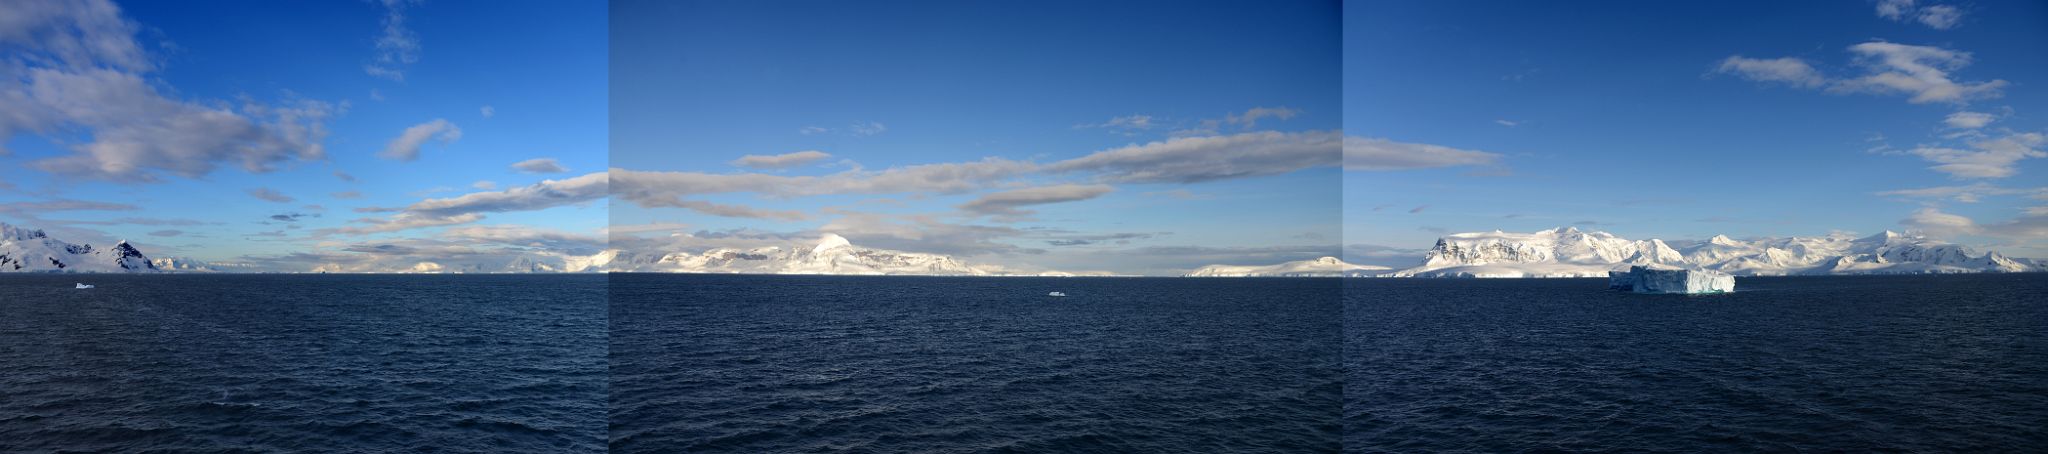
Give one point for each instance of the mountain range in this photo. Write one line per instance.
(832, 254)
(1569, 252)
(33, 251)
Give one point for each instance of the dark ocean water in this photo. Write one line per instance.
(1854, 364)
(193, 363)
(926, 364)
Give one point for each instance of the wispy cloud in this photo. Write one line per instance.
(397, 46)
(540, 165)
(1375, 154)
(1007, 204)
(1985, 158)
(1969, 120)
(1939, 17)
(271, 195)
(781, 161)
(406, 147)
(1198, 159)
(1921, 73)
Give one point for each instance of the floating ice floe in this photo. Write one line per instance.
(1643, 279)
(84, 286)
(1056, 295)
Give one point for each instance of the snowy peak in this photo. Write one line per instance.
(830, 241)
(33, 251)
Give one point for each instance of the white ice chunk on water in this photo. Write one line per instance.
(84, 286)
(1056, 294)
(1642, 279)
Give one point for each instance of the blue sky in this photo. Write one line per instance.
(250, 118)
(988, 98)
(1682, 120)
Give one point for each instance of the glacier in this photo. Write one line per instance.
(33, 251)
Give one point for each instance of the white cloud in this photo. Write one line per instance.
(724, 210)
(1969, 120)
(1894, 9)
(542, 195)
(344, 176)
(540, 165)
(1507, 123)
(406, 147)
(867, 128)
(1941, 17)
(1922, 72)
(271, 195)
(1933, 221)
(1197, 159)
(1366, 153)
(74, 71)
(1790, 71)
(1006, 204)
(812, 130)
(1250, 118)
(780, 161)
(486, 185)
(1986, 158)
(470, 207)
(2031, 225)
(1126, 124)
(487, 111)
(1919, 72)
(655, 187)
(1966, 194)
(397, 46)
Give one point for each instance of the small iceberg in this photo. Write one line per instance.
(84, 286)
(1056, 295)
(1643, 279)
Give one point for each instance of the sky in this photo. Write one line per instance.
(1130, 137)
(303, 136)
(1683, 120)
(1120, 137)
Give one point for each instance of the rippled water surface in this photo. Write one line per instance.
(1856, 364)
(193, 363)
(925, 364)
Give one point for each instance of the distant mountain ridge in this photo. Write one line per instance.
(1569, 252)
(33, 251)
(832, 254)
(1320, 267)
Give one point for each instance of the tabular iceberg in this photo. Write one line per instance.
(1643, 279)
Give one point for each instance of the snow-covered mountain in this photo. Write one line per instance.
(1322, 267)
(1569, 252)
(188, 265)
(832, 254)
(32, 251)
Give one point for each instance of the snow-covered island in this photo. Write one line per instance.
(832, 254)
(1321, 267)
(1653, 279)
(1570, 252)
(32, 251)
